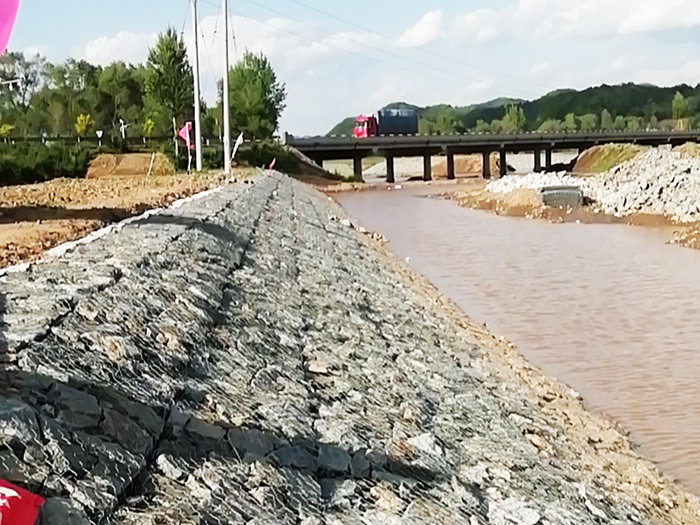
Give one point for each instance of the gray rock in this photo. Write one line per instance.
(17, 421)
(58, 511)
(77, 409)
(250, 441)
(126, 432)
(332, 458)
(204, 430)
(295, 456)
(360, 466)
(169, 469)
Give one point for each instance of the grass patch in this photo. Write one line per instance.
(600, 159)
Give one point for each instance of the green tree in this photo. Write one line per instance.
(148, 126)
(482, 126)
(634, 124)
(496, 126)
(83, 124)
(620, 123)
(588, 122)
(606, 121)
(169, 82)
(550, 125)
(122, 95)
(679, 106)
(6, 131)
(679, 110)
(514, 119)
(29, 74)
(653, 122)
(257, 97)
(447, 122)
(70, 89)
(569, 125)
(426, 127)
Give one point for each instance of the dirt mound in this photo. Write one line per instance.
(600, 159)
(688, 150)
(464, 165)
(522, 202)
(129, 165)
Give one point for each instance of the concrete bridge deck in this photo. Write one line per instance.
(251, 357)
(426, 146)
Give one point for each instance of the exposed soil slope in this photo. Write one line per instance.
(36, 217)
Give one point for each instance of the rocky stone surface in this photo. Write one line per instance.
(252, 357)
(657, 182)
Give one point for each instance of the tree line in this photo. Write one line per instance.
(79, 99)
(626, 107)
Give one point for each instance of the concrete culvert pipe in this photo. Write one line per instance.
(561, 196)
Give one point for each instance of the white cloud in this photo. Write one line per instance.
(427, 30)
(126, 46)
(553, 19)
(481, 25)
(539, 68)
(669, 75)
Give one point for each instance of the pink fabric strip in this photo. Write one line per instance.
(8, 13)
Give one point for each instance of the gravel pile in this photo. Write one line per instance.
(252, 357)
(659, 181)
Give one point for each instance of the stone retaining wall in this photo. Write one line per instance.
(251, 357)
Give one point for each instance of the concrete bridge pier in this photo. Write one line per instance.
(486, 164)
(450, 166)
(357, 168)
(503, 162)
(548, 159)
(538, 160)
(390, 178)
(427, 168)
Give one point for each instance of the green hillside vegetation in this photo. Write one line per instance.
(625, 107)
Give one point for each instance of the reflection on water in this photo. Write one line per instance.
(610, 310)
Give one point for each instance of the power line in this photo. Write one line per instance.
(451, 77)
(354, 53)
(450, 73)
(431, 53)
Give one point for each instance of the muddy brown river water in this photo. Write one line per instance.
(609, 309)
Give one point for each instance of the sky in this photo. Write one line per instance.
(339, 59)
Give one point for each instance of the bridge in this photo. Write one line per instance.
(427, 146)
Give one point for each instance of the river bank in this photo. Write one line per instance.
(655, 187)
(254, 356)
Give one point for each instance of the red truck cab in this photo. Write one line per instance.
(365, 126)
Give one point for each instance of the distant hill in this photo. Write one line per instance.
(631, 104)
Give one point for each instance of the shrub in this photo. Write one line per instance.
(28, 163)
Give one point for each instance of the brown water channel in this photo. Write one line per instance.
(609, 309)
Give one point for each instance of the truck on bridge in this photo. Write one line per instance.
(386, 122)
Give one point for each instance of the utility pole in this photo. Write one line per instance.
(197, 107)
(225, 98)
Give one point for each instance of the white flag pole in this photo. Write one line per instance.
(197, 107)
(225, 96)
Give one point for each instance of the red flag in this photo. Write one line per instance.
(184, 134)
(17, 506)
(273, 163)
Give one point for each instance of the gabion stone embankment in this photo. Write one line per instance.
(251, 357)
(659, 181)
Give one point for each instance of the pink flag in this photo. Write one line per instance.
(8, 13)
(184, 133)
